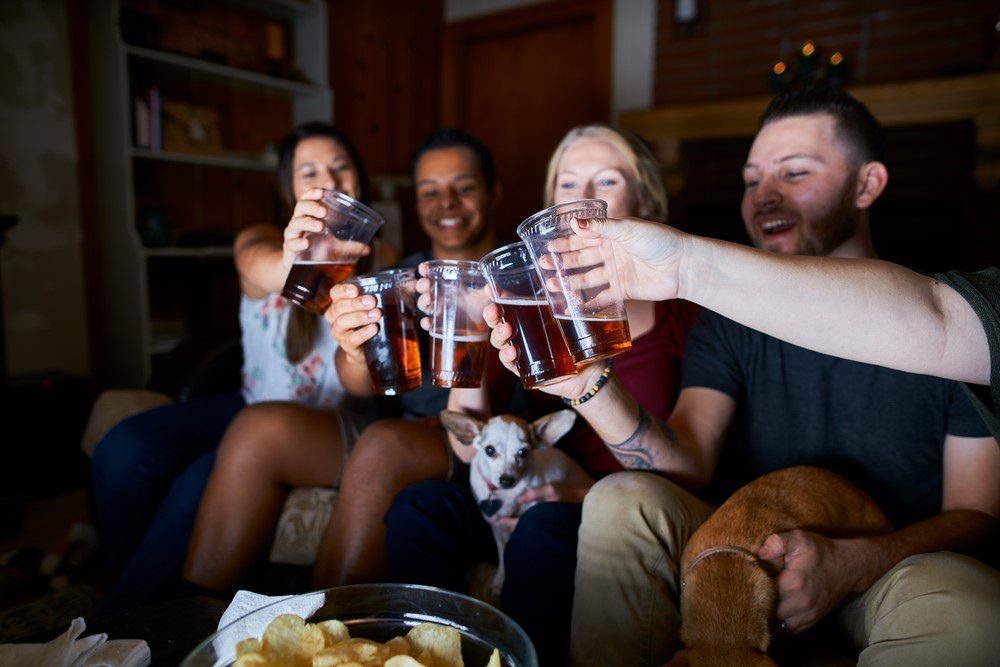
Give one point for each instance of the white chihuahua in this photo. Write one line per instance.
(513, 456)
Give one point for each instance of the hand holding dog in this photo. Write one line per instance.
(815, 574)
(555, 492)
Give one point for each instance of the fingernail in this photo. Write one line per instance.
(373, 315)
(583, 223)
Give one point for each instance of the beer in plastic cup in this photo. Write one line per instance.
(542, 355)
(458, 331)
(592, 317)
(392, 354)
(332, 253)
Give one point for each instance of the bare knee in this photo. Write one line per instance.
(397, 451)
(256, 435)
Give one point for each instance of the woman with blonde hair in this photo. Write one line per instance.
(435, 530)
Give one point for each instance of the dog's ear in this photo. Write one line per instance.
(462, 426)
(550, 428)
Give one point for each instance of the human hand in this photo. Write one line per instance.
(554, 492)
(424, 295)
(571, 386)
(307, 218)
(815, 574)
(646, 255)
(352, 319)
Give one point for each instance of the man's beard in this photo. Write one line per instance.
(834, 229)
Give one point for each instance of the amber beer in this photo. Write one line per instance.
(458, 360)
(542, 354)
(309, 283)
(393, 354)
(594, 337)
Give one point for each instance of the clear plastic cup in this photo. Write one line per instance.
(332, 253)
(542, 355)
(392, 354)
(458, 331)
(592, 317)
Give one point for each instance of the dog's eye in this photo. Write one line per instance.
(491, 451)
(521, 453)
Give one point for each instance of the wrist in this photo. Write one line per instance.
(592, 388)
(867, 560)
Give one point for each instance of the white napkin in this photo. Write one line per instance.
(67, 650)
(238, 624)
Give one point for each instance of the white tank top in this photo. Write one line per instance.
(267, 373)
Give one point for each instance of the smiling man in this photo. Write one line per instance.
(751, 404)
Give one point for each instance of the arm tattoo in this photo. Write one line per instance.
(630, 453)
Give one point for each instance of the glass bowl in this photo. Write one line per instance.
(382, 611)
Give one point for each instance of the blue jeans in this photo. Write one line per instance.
(149, 473)
(435, 532)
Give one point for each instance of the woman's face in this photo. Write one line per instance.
(594, 169)
(321, 162)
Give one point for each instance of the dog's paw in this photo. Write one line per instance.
(490, 507)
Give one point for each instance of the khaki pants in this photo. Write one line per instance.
(930, 609)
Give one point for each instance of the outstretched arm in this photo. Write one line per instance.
(866, 310)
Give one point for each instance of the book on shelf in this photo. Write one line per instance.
(149, 120)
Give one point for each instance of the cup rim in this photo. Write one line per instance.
(559, 209)
(395, 275)
(493, 254)
(354, 206)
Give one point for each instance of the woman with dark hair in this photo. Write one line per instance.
(151, 469)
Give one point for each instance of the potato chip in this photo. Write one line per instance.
(362, 651)
(403, 661)
(398, 646)
(282, 635)
(251, 659)
(443, 643)
(251, 645)
(494, 659)
(335, 631)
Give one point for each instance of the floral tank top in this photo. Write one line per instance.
(267, 373)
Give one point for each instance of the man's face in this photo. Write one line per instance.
(453, 202)
(799, 187)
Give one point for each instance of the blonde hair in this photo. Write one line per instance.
(646, 187)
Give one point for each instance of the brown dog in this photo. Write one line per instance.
(727, 592)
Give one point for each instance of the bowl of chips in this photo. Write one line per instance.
(369, 625)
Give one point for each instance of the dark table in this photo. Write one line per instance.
(171, 628)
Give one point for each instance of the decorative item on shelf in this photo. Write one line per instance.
(807, 61)
(154, 227)
(807, 70)
(836, 69)
(275, 51)
(779, 76)
(188, 128)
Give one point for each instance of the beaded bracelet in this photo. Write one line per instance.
(574, 402)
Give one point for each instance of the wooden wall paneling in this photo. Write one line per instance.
(520, 79)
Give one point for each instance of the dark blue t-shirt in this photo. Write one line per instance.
(882, 429)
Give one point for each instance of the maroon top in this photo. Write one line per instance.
(651, 371)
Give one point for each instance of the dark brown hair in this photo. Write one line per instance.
(300, 336)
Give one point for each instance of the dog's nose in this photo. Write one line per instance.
(507, 481)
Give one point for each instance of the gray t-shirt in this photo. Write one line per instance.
(880, 428)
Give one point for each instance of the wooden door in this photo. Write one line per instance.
(518, 80)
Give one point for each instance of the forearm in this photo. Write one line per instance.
(475, 402)
(638, 440)
(353, 374)
(258, 260)
(861, 309)
(953, 530)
